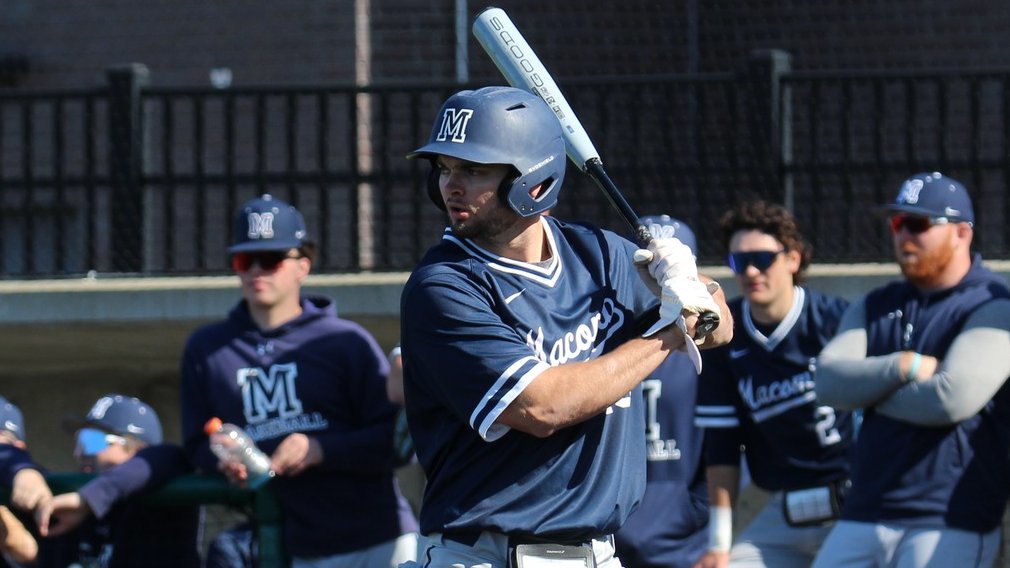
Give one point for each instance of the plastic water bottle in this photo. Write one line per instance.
(231, 444)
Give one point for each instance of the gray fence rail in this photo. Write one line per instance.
(130, 179)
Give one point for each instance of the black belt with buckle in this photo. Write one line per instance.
(469, 538)
(516, 540)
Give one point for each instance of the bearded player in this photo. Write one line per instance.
(524, 350)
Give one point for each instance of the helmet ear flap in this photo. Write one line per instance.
(505, 187)
(434, 193)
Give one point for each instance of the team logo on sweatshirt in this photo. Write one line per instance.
(271, 404)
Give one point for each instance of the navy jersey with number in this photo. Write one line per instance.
(758, 392)
(668, 530)
(476, 330)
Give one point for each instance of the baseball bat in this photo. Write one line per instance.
(521, 67)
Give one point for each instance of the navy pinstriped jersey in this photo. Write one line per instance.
(668, 530)
(476, 330)
(956, 475)
(758, 392)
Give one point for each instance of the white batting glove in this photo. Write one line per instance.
(693, 295)
(680, 296)
(665, 259)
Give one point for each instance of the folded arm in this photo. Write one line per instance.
(975, 367)
(846, 378)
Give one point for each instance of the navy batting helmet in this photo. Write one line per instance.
(664, 226)
(502, 125)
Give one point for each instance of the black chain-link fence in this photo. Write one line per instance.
(130, 179)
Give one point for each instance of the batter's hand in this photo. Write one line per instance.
(665, 259)
(295, 454)
(62, 514)
(713, 559)
(30, 490)
(683, 296)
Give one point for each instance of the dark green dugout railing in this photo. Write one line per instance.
(199, 489)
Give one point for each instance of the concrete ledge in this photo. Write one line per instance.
(153, 299)
(181, 298)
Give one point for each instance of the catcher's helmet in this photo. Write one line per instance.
(664, 226)
(501, 125)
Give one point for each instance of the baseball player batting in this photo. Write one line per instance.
(523, 348)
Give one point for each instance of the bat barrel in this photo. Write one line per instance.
(521, 67)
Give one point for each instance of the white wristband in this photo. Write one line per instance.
(720, 528)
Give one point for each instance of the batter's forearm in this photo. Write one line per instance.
(574, 392)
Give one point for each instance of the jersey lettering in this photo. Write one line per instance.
(453, 126)
(574, 343)
(827, 434)
(774, 392)
(658, 448)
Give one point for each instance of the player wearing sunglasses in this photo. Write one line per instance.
(310, 389)
(926, 357)
(758, 393)
(120, 440)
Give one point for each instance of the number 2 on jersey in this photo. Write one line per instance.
(827, 434)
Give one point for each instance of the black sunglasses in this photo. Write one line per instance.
(914, 223)
(760, 259)
(267, 260)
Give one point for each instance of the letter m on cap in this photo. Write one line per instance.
(261, 225)
(454, 125)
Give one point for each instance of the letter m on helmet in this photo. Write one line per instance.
(454, 125)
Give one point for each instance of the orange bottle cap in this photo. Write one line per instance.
(212, 425)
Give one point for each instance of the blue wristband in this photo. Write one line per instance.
(913, 368)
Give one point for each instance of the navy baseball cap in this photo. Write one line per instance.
(664, 226)
(122, 415)
(267, 223)
(934, 195)
(11, 419)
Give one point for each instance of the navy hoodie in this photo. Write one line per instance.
(319, 375)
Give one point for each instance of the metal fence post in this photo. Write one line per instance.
(772, 109)
(126, 151)
(269, 530)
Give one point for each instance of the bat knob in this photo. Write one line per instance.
(707, 322)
